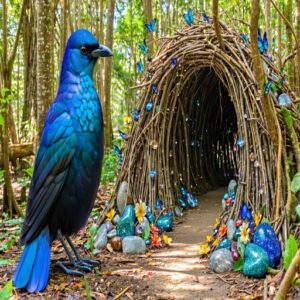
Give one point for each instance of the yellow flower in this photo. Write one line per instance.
(111, 214)
(127, 120)
(167, 239)
(140, 211)
(257, 218)
(217, 223)
(209, 238)
(216, 242)
(204, 249)
(245, 233)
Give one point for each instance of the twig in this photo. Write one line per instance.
(123, 292)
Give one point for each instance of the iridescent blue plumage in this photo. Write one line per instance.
(68, 163)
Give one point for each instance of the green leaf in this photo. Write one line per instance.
(87, 289)
(93, 230)
(290, 251)
(265, 220)
(6, 292)
(238, 265)
(146, 232)
(295, 185)
(241, 248)
(262, 209)
(5, 262)
(1, 120)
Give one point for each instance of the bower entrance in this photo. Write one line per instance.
(208, 122)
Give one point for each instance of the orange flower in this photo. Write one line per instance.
(257, 218)
(153, 229)
(155, 240)
(216, 242)
(222, 230)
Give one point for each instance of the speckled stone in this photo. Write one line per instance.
(122, 197)
(266, 238)
(126, 224)
(133, 245)
(256, 261)
(221, 261)
(165, 222)
(225, 244)
(230, 229)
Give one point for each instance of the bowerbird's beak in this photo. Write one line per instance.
(102, 51)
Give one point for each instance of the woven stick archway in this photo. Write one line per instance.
(204, 104)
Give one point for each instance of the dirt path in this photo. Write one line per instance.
(180, 273)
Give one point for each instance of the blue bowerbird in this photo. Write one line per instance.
(67, 167)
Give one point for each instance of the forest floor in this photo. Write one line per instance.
(176, 272)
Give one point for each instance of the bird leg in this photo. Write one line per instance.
(88, 261)
(72, 262)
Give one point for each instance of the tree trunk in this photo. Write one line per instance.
(44, 61)
(148, 15)
(268, 21)
(290, 64)
(298, 49)
(108, 133)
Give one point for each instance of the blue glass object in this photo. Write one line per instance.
(256, 261)
(136, 115)
(183, 191)
(143, 47)
(123, 135)
(221, 260)
(165, 222)
(284, 100)
(226, 243)
(174, 61)
(189, 17)
(152, 174)
(126, 225)
(182, 202)
(158, 205)
(148, 242)
(266, 238)
(140, 66)
(154, 88)
(240, 142)
(192, 201)
(149, 106)
(150, 216)
(244, 211)
(226, 196)
(205, 18)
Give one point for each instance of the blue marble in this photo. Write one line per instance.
(152, 174)
(266, 238)
(240, 142)
(246, 212)
(225, 244)
(226, 196)
(256, 261)
(126, 225)
(165, 222)
(192, 201)
(149, 106)
(182, 202)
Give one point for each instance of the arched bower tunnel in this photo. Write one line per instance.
(201, 121)
(209, 124)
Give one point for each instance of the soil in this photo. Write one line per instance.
(174, 272)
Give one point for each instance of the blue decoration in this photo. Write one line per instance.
(205, 18)
(263, 44)
(149, 106)
(192, 201)
(154, 88)
(183, 191)
(140, 66)
(256, 261)
(226, 243)
(136, 115)
(189, 17)
(266, 238)
(284, 100)
(182, 202)
(245, 212)
(174, 61)
(149, 59)
(126, 225)
(152, 174)
(226, 196)
(150, 215)
(245, 38)
(240, 142)
(123, 135)
(151, 26)
(148, 242)
(268, 87)
(165, 222)
(221, 260)
(143, 47)
(158, 205)
(237, 234)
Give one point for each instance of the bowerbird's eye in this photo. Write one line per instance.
(83, 50)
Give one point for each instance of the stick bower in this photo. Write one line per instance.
(205, 125)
